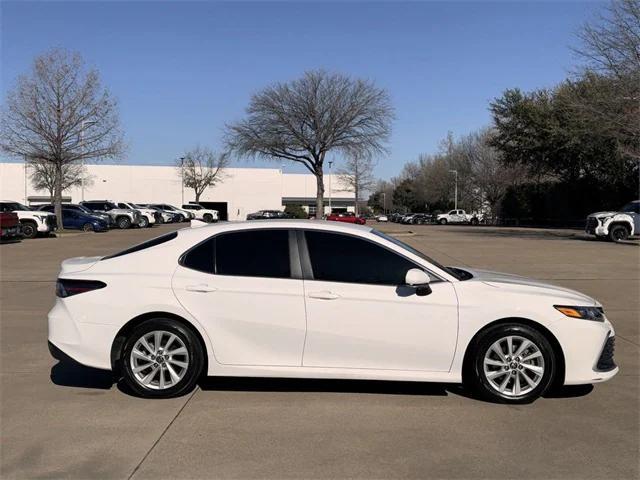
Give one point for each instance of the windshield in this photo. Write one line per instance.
(633, 207)
(19, 206)
(83, 209)
(409, 248)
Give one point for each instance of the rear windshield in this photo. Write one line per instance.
(142, 246)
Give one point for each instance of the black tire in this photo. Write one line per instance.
(474, 221)
(208, 217)
(618, 233)
(195, 359)
(442, 221)
(180, 218)
(123, 222)
(29, 229)
(87, 227)
(476, 378)
(144, 222)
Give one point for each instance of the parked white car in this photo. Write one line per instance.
(185, 215)
(32, 222)
(459, 216)
(147, 215)
(315, 299)
(382, 218)
(205, 214)
(615, 226)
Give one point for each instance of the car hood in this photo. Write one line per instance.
(523, 284)
(606, 214)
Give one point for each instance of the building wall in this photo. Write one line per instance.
(245, 190)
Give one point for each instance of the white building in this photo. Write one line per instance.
(243, 191)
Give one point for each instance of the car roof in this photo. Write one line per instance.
(238, 225)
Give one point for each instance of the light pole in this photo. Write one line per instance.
(330, 209)
(384, 202)
(83, 124)
(182, 180)
(456, 188)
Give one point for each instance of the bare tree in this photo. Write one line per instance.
(607, 94)
(59, 113)
(357, 176)
(43, 176)
(302, 120)
(611, 45)
(490, 177)
(201, 168)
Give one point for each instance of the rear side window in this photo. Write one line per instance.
(201, 257)
(343, 258)
(142, 246)
(253, 253)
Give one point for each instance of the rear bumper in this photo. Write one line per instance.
(86, 343)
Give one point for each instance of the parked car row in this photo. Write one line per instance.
(95, 216)
(453, 216)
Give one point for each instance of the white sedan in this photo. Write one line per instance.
(316, 299)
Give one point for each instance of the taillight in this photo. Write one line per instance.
(67, 288)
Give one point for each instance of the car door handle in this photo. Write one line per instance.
(325, 295)
(203, 288)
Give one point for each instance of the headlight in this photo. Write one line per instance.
(586, 313)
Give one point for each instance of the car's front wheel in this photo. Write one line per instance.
(208, 217)
(144, 222)
(123, 222)
(511, 363)
(618, 233)
(162, 359)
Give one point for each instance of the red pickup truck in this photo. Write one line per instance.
(9, 226)
(348, 217)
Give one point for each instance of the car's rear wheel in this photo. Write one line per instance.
(208, 217)
(474, 221)
(87, 227)
(443, 221)
(162, 359)
(144, 222)
(618, 233)
(511, 363)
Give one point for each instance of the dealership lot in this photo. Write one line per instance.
(61, 420)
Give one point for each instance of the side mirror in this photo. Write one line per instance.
(419, 280)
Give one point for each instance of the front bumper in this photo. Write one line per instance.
(584, 342)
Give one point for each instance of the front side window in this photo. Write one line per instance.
(344, 258)
(253, 253)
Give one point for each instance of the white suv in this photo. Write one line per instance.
(147, 215)
(615, 226)
(201, 213)
(32, 222)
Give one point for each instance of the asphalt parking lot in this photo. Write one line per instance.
(62, 420)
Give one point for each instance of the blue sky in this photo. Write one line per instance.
(180, 70)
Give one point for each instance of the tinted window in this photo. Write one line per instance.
(343, 258)
(200, 257)
(254, 253)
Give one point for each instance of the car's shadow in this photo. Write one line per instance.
(69, 373)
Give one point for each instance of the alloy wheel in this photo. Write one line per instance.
(514, 366)
(159, 360)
